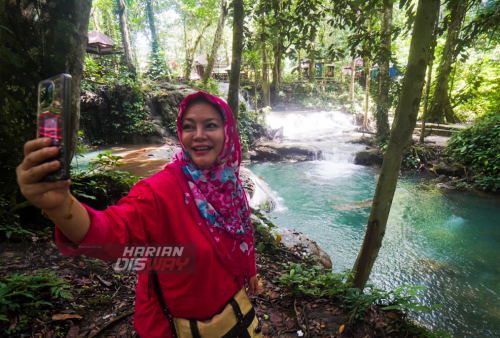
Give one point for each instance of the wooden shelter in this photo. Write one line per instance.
(100, 44)
(323, 70)
(220, 71)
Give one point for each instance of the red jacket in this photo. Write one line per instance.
(155, 212)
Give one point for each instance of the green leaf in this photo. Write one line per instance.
(391, 307)
(7, 29)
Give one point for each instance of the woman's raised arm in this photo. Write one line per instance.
(53, 198)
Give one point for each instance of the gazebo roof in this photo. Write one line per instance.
(201, 60)
(99, 43)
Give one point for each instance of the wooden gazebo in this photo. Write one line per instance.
(100, 44)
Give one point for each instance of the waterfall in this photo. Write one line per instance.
(326, 130)
(224, 91)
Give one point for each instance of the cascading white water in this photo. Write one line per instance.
(224, 91)
(326, 130)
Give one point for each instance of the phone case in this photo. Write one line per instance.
(54, 120)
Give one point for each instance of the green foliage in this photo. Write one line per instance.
(414, 156)
(476, 83)
(251, 125)
(263, 234)
(113, 105)
(326, 96)
(487, 183)
(158, 70)
(479, 148)
(302, 279)
(100, 184)
(211, 87)
(30, 295)
(10, 228)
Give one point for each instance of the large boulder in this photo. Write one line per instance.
(258, 192)
(443, 168)
(164, 106)
(369, 157)
(300, 243)
(274, 151)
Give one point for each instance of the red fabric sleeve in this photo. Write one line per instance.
(133, 220)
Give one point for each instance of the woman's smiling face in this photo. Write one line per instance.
(202, 133)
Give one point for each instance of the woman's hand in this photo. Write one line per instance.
(44, 195)
(253, 286)
(52, 197)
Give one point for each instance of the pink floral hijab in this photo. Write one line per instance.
(220, 204)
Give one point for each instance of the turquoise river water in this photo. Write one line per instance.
(446, 241)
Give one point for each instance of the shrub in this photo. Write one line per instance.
(478, 146)
(29, 296)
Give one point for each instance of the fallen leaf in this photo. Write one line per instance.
(278, 238)
(275, 317)
(341, 328)
(64, 316)
(73, 332)
(392, 315)
(265, 328)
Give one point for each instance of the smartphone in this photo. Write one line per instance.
(54, 120)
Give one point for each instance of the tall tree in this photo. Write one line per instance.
(440, 107)
(217, 39)
(157, 67)
(384, 79)
(37, 41)
(190, 51)
(266, 98)
(122, 13)
(234, 77)
(404, 123)
(151, 20)
(367, 64)
(428, 80)
(353, 77)
(312, 57)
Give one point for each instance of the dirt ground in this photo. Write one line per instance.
(103, 303)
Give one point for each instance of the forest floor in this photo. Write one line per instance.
(103, 301)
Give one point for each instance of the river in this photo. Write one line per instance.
(447, 241)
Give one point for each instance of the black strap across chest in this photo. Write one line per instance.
(240, 330)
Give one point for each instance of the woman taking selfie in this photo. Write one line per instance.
(198, 198)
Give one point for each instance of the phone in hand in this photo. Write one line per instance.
(54, 121)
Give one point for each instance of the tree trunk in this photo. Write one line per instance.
(404, 123)
(440, 107)
(278, 56)
(312, 59)
(129, 59)
(300, 66)
(37, 42)
(429, 78)
(191, 52)
(234, 76)
(96, 25)
(265, 80)
(384, 79)
(217, 38)
(266, 99)
(353, 77)
(151, 17)
(366, 62)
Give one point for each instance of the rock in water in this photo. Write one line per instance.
(359, 205)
